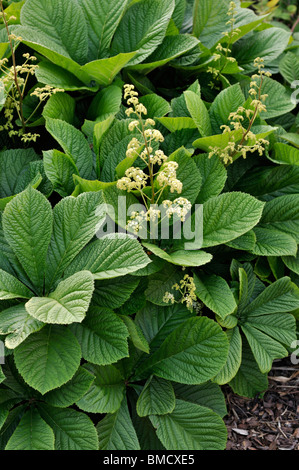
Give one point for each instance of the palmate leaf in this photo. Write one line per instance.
(67, 304)
(116, 431)
(27, 224)
(32, 433)
(73, 430)
(191, 354)
(190, 427)
(102, 336)
(49, 358)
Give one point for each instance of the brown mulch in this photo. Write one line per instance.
(270, 422)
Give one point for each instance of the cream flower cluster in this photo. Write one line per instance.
(167, 176)
(135, 179)
(180, 206)
(187, 289)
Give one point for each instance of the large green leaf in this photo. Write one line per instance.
(27, 225)
(285, 154)
(271, 242)
(229, 216)
(289, 67)
(190, 427)
(110, 257)
(213, 175)
(73, 430)
(17, 324)
(73, 143)
(234, 358)
(103, 71)
(282, 213)
(267, 44)
(102, 336)
(208, 394)
(67, 304)
(106, 392)
(198, 112)
(226, 102)
(12, 288)
(75, 221)
(102, 19)
(32, 433)
(146, 34)
(157, 398)
(116, 431)
(181, 257)
(191, 354)
(49, 358)
(15, 170)
(215, 293)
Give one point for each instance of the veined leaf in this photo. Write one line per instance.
(147, 33)
(186, 355)
(282, 213)
(116, 431)
(181, 257)
(272, 242)
(190, 427)
(67, 304)
(17, 324)
(208, 394)
(32, 433)
(27, 225)
(73, 430)
(213, 175)
(102, 336)
(234, 358)
(60, 169)
(103, 71)
(226, 102)
(49, 358)
(136, 334)
(12, 288)
(215, 293)
(157, 398)
(110, 257)
(106, 392)
(199, 113)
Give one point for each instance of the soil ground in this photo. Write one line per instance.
(270, 422)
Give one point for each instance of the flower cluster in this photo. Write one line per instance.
(187, 289)
(248, 142)
(180, 207)
(135, 179)
(167, 176)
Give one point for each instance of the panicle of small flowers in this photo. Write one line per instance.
(45, 92)
(187, 289)
(180, 206)
(135, 179)
(167, 176)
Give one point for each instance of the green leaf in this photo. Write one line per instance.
(106, 103)
(172, 47)
(282, 213)
(73, 430)
(191, 354)
(267, 44)
(60, 106)
(102, 19)
(136, 334)
(147, 33)
(213, 175)
(113, 293)
(249, 380)
(75, 221)
(157, 323)
(32, 433)
(285, 154)
(27, 225)
(226, 102)
(72, 391)
(49, 358)
(157, 398)
(161, 282)
(190, 427)
(110, 257)
(116, 431)
(264, 348)
(67, 304)
(60, 169)
(279, 326)
(289, 67)
(281, 296)
(215, 293)
(234, 359)
(174, 124)
(199, 113)
(229, 216)
(102, 336)
(103, 71)
(59, 25)
(15, 170)
(156, 105)
(12, 288)
(17, 324)
(271, 242)
(208, 394)
(181, 257)
(292, 262)
(59, 77)
(73, 143)
(106, 392)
